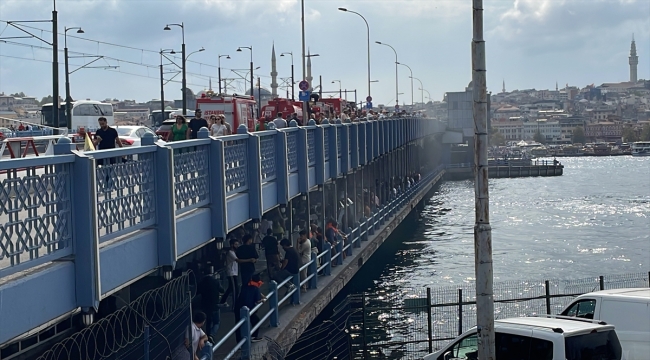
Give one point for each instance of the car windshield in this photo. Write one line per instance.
(124, 131)
(602, 345)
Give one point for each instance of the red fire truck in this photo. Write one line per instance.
(238, 109)
(336, 104)
(285, 106)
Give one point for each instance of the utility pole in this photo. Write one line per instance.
(482, 228)
(305, 112)
(55, 69)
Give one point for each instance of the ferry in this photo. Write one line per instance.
(641, 148)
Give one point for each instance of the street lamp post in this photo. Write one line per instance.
(55, 58)
(293, 81)
(428, 94)
(68, 100)
(182, 26)
(368, 32)
(239, 49)
(340, 93)
(421, 88)
(219, 63)
(396, 73)
(412, 102)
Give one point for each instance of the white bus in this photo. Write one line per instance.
(84, 115)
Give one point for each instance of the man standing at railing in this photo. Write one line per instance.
(106, 137)
(248, 256)
(279, 122)
(250, 296)
(304, 246)
(196, 123)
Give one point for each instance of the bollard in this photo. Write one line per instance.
(339, 250)
(295, 298)
(313, 269)
(328, 259)
(273, 304)
(245, 330)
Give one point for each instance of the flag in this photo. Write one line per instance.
(88, 144)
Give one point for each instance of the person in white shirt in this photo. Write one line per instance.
(201, 347)
(232, 268)
(304, 249)
(218, 127)
(279, 122)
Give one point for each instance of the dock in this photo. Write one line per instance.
(516, 169)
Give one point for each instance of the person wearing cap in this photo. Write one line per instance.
(196, 124)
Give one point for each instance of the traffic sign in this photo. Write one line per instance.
(303, 85)
(369, 98)
(369, 104)
(304, 95)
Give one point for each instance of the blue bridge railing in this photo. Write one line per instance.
(86, 224)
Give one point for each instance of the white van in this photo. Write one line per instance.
(627, 309)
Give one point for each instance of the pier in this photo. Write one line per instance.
(88, 225)
(497, 170)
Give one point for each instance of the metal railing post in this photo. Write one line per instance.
(348, 252)
(328, 259)
(313, 270)
(460, 311)
(273, 304)
(429, 320)
(295, 298)
(339, 250)
(601, 280)
(245, 330)
(548, 297)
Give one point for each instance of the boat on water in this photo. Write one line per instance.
(539, 151)
(641, 148)
(601, 149)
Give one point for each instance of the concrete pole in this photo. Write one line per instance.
(55, 71)
(305, 112)
(482, 228)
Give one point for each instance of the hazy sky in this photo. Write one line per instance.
(530, 43)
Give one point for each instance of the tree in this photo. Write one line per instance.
(496, 139)
(19, 94)
(645, 133)
(47, 99)
(629, 135)
(539, 137)
(578, 135)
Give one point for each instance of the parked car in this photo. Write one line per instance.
(540, 338)
(132, 135)
(5, 133)
(627, 309)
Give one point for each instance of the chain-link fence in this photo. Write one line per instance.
(154, 326)
(400, 325)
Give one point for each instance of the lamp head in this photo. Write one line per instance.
(282, 54)
(239, 49)
(172, 52)
(201, 49)
(167, 27)
(228, 57)
(80, 31)
(343, 9)
(378, 42)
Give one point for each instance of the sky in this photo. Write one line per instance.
(529, 44)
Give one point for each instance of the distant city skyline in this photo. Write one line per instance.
(530, 44)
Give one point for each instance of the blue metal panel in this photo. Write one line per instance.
(333, 163)
(218, 211)
(237, 209)
(236, 164)
(327, 171)
(311, 144)
(191, 181)
(128, 259)
(345, 149)
(354, 145)
(36, 298)
(312, 177)
(191, 231)
(292, 149)
(294, 185)
(267, 155)
(269, 195)
(254, 178)
(165, 198)
(303, 176)
(281, 163)
(319, 153)
(361, 129)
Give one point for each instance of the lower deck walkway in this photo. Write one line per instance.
(293, 320)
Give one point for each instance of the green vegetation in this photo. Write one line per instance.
(629, 135)
(578, 135)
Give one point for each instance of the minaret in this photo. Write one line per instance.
(309, 78)
(504, 87)
(556, 88)
(210, 83)
(274, 75)
(634, 61)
